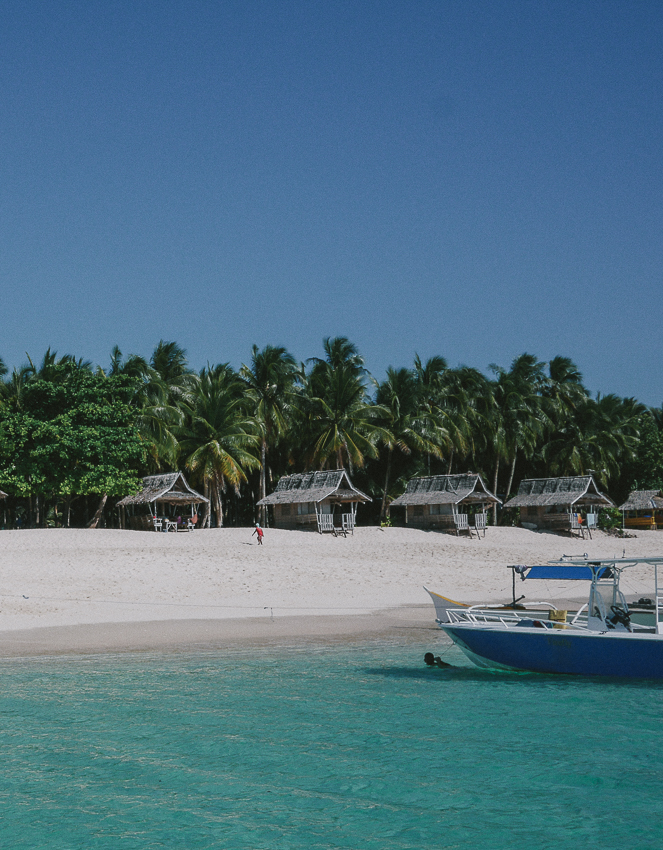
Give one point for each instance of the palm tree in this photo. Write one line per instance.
(563, 392)
(164, 389)
(409, 424)
(51, 368)
(463, 404)
(340, 354)
(169, 363)
(219, 439)
(339, 420)
(271, 389)
(599, 435)
(14, 386)
(519, 417)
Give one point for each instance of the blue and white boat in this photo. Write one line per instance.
(602, 638)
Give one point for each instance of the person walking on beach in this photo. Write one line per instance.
(259, 532)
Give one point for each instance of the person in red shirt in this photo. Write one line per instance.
(259, 532)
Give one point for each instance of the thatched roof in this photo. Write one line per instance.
(643, 500)
(315, 487)
(171, 488)
(445, 490)
(543, 492)
(3, 495)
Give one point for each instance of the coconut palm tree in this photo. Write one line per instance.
(219, 439)
(600, 435)
(563, 391)
(344, 425)
(519, 416)
(164, 387)
(410, 425)
(270, 382)
(464, 403)
(338, 419)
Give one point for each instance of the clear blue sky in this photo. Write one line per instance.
(471, 179)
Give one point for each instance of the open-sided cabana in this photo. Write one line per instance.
(643, 509)
(560, 504)
(326, 501)
(157, 506)
(447, 502)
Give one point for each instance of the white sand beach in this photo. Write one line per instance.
(97, 590)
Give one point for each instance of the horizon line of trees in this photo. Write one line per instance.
(75, 437)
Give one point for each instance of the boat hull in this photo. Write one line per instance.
(612, 653)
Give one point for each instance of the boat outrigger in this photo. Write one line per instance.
(602, 638)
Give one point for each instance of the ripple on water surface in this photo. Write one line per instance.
(352, 747)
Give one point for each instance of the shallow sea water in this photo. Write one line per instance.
(342, 747)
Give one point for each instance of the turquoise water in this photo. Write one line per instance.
(345, 747)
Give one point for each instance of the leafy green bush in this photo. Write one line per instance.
(610, 518)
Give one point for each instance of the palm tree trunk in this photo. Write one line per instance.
(513, 467)
(263, 481)
(451, 460)
(383, 510)
(207, 509)
(497, 469)
(94, 522)
(67, 510)
(219, 505)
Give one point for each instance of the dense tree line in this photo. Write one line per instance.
(74, 438)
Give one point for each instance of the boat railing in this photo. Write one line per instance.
(478, 615)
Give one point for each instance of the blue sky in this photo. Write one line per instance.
(471, 179)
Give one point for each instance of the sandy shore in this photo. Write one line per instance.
(74, 590)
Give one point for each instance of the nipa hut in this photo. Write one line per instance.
(559, 504)
(322, 500)
(162, 499)
(643, 509)
(445, 501)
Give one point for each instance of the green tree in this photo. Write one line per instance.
(164, 388)
(74, 434)
(600, 435)
(219, 437)
(340, 421)
(519, 419)
(270, 382)
(409, 424)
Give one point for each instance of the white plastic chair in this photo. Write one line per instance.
(480, 524)
(462, 523)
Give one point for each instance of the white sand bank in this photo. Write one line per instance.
(297, 583)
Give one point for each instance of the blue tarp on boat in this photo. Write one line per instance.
(554, 572)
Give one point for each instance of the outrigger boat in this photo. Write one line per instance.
(602, 638)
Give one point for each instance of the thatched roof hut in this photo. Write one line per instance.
(309, 499)
(3, 495)
(643, 509)
(169, 491)
(434, 500)
(643, 500)
(549, 502)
